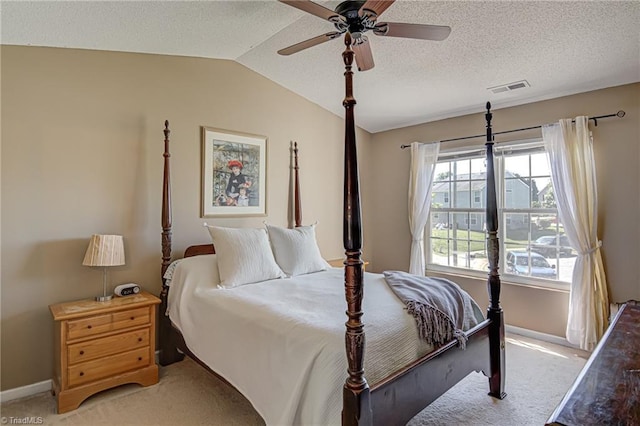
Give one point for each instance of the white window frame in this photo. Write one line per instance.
(531, 146)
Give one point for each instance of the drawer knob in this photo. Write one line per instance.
(132, 318)
(81, 352)
(82, 373)
(89, 326)
(139, 339)
(139, 358)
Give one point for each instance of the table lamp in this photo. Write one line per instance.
(104, 250)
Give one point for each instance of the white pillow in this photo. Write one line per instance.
(244, 256)
(296, 250)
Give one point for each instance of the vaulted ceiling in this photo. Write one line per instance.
(557, 47)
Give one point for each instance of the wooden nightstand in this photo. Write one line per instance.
(99, 345)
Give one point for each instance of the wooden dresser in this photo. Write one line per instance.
(607, 391)
(99, 345)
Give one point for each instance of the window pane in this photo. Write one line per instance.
(460, 186)
(517, 165)
(540, 165)
(546, 196)
(440, 193)
(442, 172)
(517, 227)
(517, 193)
(478, 166)
(461, 169)
(439, 222)
(460, 225)
(542, 194)
(458, 240)
(461, 194)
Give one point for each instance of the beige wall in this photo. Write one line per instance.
(617, 152)
(82, 146)
(82, 154)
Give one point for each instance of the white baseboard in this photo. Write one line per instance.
(34, 388)
(538, 335)
(28, 390)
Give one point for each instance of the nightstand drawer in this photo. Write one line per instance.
(88, 326)
(131, 318)
(102, 323)
(86, 351)
(108, 366)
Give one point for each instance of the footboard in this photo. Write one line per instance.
(399, 397)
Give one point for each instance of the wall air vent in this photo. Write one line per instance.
(510, 86)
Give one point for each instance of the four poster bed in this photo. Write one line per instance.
(392, 393)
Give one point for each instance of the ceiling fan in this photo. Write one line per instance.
(357, 17)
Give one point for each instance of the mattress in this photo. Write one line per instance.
(281, 342)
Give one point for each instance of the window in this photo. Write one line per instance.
(533, 247)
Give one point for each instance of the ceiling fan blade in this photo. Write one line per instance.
(419, 31)
(309, 43)
(313, 8)
(375, 6)
(364, 57)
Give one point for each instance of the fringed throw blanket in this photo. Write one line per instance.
(442, 310)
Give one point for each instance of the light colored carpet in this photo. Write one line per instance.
(538, 375)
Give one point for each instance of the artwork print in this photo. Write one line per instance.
(233, 173)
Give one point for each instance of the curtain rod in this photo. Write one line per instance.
(618, 114)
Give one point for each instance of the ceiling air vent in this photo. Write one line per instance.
(509, 87)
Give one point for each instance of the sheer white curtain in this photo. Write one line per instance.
(423, 165)
(573, 175)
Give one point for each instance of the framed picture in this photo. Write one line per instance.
(234, 174)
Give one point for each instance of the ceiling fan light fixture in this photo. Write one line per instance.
(381, 29)
(369, 15)
(350, 8)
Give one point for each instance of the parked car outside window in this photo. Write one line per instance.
(518, 264)
(548, 245)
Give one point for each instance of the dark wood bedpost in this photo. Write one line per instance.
(166, 203)
(296, 188)
(168, 350)
(356, 409)
(494, 313)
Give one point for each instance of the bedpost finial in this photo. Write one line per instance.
(488, 115)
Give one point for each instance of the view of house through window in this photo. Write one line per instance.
(532, 239)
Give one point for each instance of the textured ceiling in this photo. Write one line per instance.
(559, 47)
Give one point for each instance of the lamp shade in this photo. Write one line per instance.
(104, 250)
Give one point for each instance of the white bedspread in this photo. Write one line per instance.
(281, 342)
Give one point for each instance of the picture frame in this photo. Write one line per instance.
(234, 174)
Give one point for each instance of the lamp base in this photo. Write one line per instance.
(103, 298)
